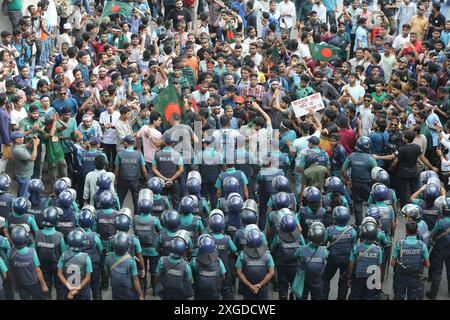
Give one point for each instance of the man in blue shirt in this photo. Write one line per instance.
(62, 100)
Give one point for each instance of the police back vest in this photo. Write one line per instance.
(361, 170)
(337, 159)
(313, 262)
(365, 259)
(322, 158)
(284, 255)
(232, 223)
(37, 211)
(430, 214)
(88, 161)
(192, 229)
(145, 231)
(105, 224)
(410, 258)
(132, 250)
(90, 247)
(159, 205)
(120, 276)
(386, 219)
(266, 189)
(48, 247)
(223, 246)
(173, 278)
(22, 265)
(326, 202)
(209, 168)
(255, 269)
(340, 249)
(308, 217)
(167, 161)
(66, 222)
(236, 174)
(15, 220)
(165, 243)
(6, 200)
(74, 265)
(208, 279)
(443, 243)
(130, 165)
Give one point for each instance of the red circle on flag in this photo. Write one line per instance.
(170, 109)
(326, 52)
(115, 8)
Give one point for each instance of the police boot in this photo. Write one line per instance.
(433, 291)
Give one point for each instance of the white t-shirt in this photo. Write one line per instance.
(17, 116)
(399, 41)
(109, 135)
(321, 12)
(357, 91)
(301, 144)
(288, 8)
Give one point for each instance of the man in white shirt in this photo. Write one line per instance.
(321, 10)
(123, 126)
(288, 15)
(226, 138)
(354, 90)
(90, 184)
(108, 120)
(201, 94)
(402, 38)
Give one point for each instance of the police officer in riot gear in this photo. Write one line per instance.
(20, 215)
(93, 246)
(160, 202)
(75, 268)
(168, 165)
(172, 223)
(365, 261)
(24, 267)
(208, 270)
(249, 216)
(6, 198)
(409, 256)
(174, 280)
(312, 259)
(122, 270)
(341, 237)
(281, 184)
(60, 185)
(189, 222)
(104, 183)
(129, 169)
(425, 197)
(69, 216)
(361, 164)
(35, 188)
(413, 212)
(193, 187)
(225, 185)
(440, 251)
(50, 246)
(313, 212)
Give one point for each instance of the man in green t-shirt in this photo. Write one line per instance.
(54, 155)
(15, 13)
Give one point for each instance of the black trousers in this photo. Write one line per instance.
(360, 194)
(123, 187)
(406, 186)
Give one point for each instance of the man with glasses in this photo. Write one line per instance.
(62, 100)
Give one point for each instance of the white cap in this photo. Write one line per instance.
(67, 26)
(2, 222)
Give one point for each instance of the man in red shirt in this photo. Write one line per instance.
(414, 46)
(347, 135)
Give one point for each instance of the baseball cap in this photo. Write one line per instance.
(314, 140)
(404, 59)
(129, 139)
(94, 141)
(16, 135)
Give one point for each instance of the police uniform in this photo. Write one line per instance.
(209, 162)
(37, 209)
(430, 212)
(208, 279)
(69, 220)
(6, 204)
(163, 243)
(232, 219)
(283, 248)
(92, 245)
(23, 263)
(361, 165)
(5, 247)
(129, 163)
(226, 247)
(341, 241)
(247, 163)
(121, 274)
(193, 225)
(16, 219)
(255, 270)
(365, 256)
(386, 220)
(168, 161)
(75, 265)
(232, 172)
(265, 190)
(312, 260)
(87, 162)
(440, 253)
(147, 228)
(175, 282)
(160, 204)
(307, 217)
(292, 202)
(49, 247)
(3, 269)
(410, 254)
(329, 203)
(202, 209)
(273, 224)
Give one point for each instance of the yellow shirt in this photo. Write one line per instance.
(418, 25)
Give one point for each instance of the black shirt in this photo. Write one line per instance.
(407, 156)
(176, 16)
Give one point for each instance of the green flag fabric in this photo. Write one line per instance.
(167, 103)
(324, 51)
(117, 7)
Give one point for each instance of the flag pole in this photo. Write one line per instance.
(104, 7)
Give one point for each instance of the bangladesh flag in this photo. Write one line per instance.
(117, 7)
(167, 103)
(323, 51)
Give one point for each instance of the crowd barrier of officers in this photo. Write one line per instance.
(48, 244)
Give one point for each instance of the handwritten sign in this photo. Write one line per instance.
(303, 106)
